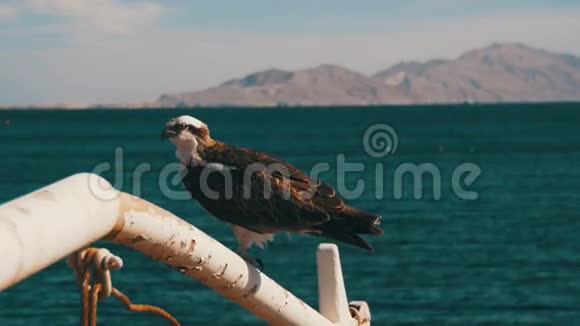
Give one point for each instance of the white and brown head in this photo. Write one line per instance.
(189, 135)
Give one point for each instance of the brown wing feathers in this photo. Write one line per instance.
(312, 207)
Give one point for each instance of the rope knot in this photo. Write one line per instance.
(98, 263)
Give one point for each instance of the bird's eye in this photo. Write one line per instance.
(182, 126)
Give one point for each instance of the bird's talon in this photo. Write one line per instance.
(260, 263)
(256, 262)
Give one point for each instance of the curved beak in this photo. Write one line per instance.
(167, 133)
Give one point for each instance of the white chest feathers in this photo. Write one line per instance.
(187, 154)
(246, 238)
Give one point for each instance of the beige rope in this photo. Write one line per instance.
(144, 307)
(97, 285)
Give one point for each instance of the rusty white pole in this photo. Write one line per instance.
(38, 229)
(167, 238)
(44, 226)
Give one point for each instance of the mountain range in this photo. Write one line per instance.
(501, 72)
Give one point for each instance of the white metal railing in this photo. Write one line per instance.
(42, 227)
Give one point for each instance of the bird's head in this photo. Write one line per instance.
(189, 135)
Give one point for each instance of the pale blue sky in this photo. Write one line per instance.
(88, 51)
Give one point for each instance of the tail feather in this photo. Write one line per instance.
(359, 221)
(352, 239)
(347, 226)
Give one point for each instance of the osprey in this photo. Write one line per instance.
(260, 195)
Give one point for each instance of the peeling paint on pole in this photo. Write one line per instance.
(192, 252)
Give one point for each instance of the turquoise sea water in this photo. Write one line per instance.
(510, 257)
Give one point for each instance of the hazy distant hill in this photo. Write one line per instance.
(498, 73)
(323, 85)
